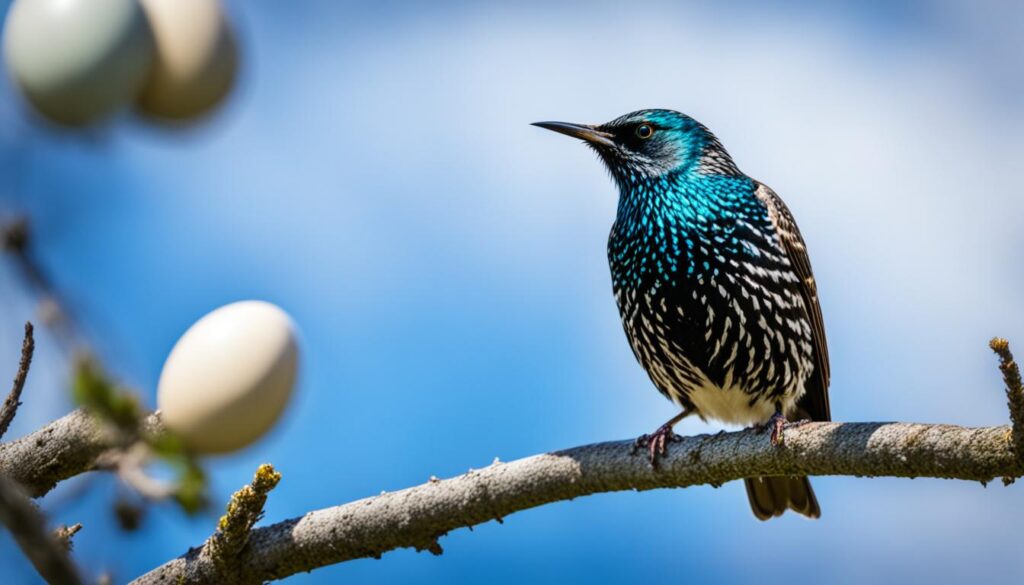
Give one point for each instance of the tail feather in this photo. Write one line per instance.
(771, 496)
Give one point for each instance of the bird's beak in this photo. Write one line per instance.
(581, 131)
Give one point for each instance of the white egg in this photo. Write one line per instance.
(196, 58)
(78, 60)
(229, 377)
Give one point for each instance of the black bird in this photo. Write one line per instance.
(714, 287)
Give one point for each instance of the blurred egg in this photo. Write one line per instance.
(196, 58)
(229, 377)
(77, 60)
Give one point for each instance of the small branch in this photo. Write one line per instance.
(66, 447)
(418, 516)
(14, 236)
(16, 239)
(28, 527)
(243, 511)
(64, 535)
(129, 466)
(11, 404)
(80, 442)
(1014, 392)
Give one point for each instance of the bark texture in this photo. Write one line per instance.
(418, 516)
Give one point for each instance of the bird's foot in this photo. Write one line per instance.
(778, 425)
(656, 443)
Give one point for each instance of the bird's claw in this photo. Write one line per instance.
(778, 425)
(656, 443)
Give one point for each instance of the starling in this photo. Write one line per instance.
(714, 288)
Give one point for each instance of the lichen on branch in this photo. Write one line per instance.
(243, 511)
(1014, 392)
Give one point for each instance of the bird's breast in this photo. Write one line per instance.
(720, 329)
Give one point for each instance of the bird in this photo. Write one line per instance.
(714, 288)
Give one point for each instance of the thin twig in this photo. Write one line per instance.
(11, 404)
(1014, 392)
(64, 535)
(243, 511)
(129, 466)
(28, 527)
(16, 239)
(14, 236)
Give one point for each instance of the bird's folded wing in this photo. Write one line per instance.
(815, 399)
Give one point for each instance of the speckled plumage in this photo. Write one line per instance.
(712, 282)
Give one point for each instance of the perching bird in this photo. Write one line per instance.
(714, 287)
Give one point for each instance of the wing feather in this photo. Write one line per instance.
(815, 399)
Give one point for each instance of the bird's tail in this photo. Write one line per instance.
(771, 496)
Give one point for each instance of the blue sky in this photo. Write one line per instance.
(375, 174)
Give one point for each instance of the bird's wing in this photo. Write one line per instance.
(815, 399)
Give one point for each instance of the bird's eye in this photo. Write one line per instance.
(644, 131)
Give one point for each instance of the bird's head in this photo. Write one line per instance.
(650, 143)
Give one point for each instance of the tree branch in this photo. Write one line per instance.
(28, 527)
(418, 516)
(68, 446)
(11, 404)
